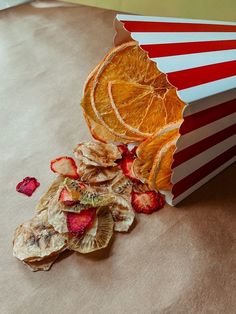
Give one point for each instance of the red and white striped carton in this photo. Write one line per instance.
(199, 59)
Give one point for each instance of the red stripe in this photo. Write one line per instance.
(202, 172)
(174, 49)
(203, 145)
(202, 75)
(207, 116)
(140, 26)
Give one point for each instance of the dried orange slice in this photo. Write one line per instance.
(97, 129)
(174, 106)
(148, 149)
(139, 107)
(160, 175)
(127, 63)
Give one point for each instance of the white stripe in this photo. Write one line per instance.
(193, 60)
(199, 183)
(126, 17)
(205, 90)
(209, 102)
(180, 37)
(205, 131)
(189, 166)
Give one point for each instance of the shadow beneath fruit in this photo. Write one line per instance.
(64, 255)
(99, 254)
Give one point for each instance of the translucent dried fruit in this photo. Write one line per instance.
(66, 197)
(27, 186)
(65, 166)
(56, 214)
(100, 154)
(77, 223)
(97, 237)
(97, 126)
(122, 213)
(46, 198)
(148, 149)
(96, 199)
(147, 202)
(91, 174)
(121, 185)
(36, 239)
(98, 131)
(160, 174)
(128, 64)
(126, 164)
(148, 110)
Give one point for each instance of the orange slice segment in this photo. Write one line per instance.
(138, 107)
(97, 130)
(100, 130)
(174, 106)
(130, 64)
(160, 176)
(148, 149)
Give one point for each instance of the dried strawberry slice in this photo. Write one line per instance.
(65, 166)
(123, 149)
(147, 202)
(27, 186)
(126, 166)
(78, 223)
(66, 197)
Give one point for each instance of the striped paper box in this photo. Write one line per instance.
(199, 59)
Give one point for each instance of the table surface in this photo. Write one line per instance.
(179, 260)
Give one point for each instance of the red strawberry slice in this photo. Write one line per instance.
(123, 149)
(27, 186)
(126, 165)
(66, 197)
(147, 202)
(65, 166)
(78, 223)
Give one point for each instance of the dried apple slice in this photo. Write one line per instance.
(91, 174)
(56, 214)
(97, 237)
(100, 154)
(46, 198)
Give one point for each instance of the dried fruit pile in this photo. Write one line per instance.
(94, 195)
(126, 100)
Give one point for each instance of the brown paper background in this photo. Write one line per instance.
(179, 260)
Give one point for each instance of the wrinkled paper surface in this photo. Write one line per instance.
(179, 260)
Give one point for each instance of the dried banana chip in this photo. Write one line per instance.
(97, 237)
(56, 214)
(46, 198)
(36, 239)
(103, 155)
(43, 264)
(122, 213)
